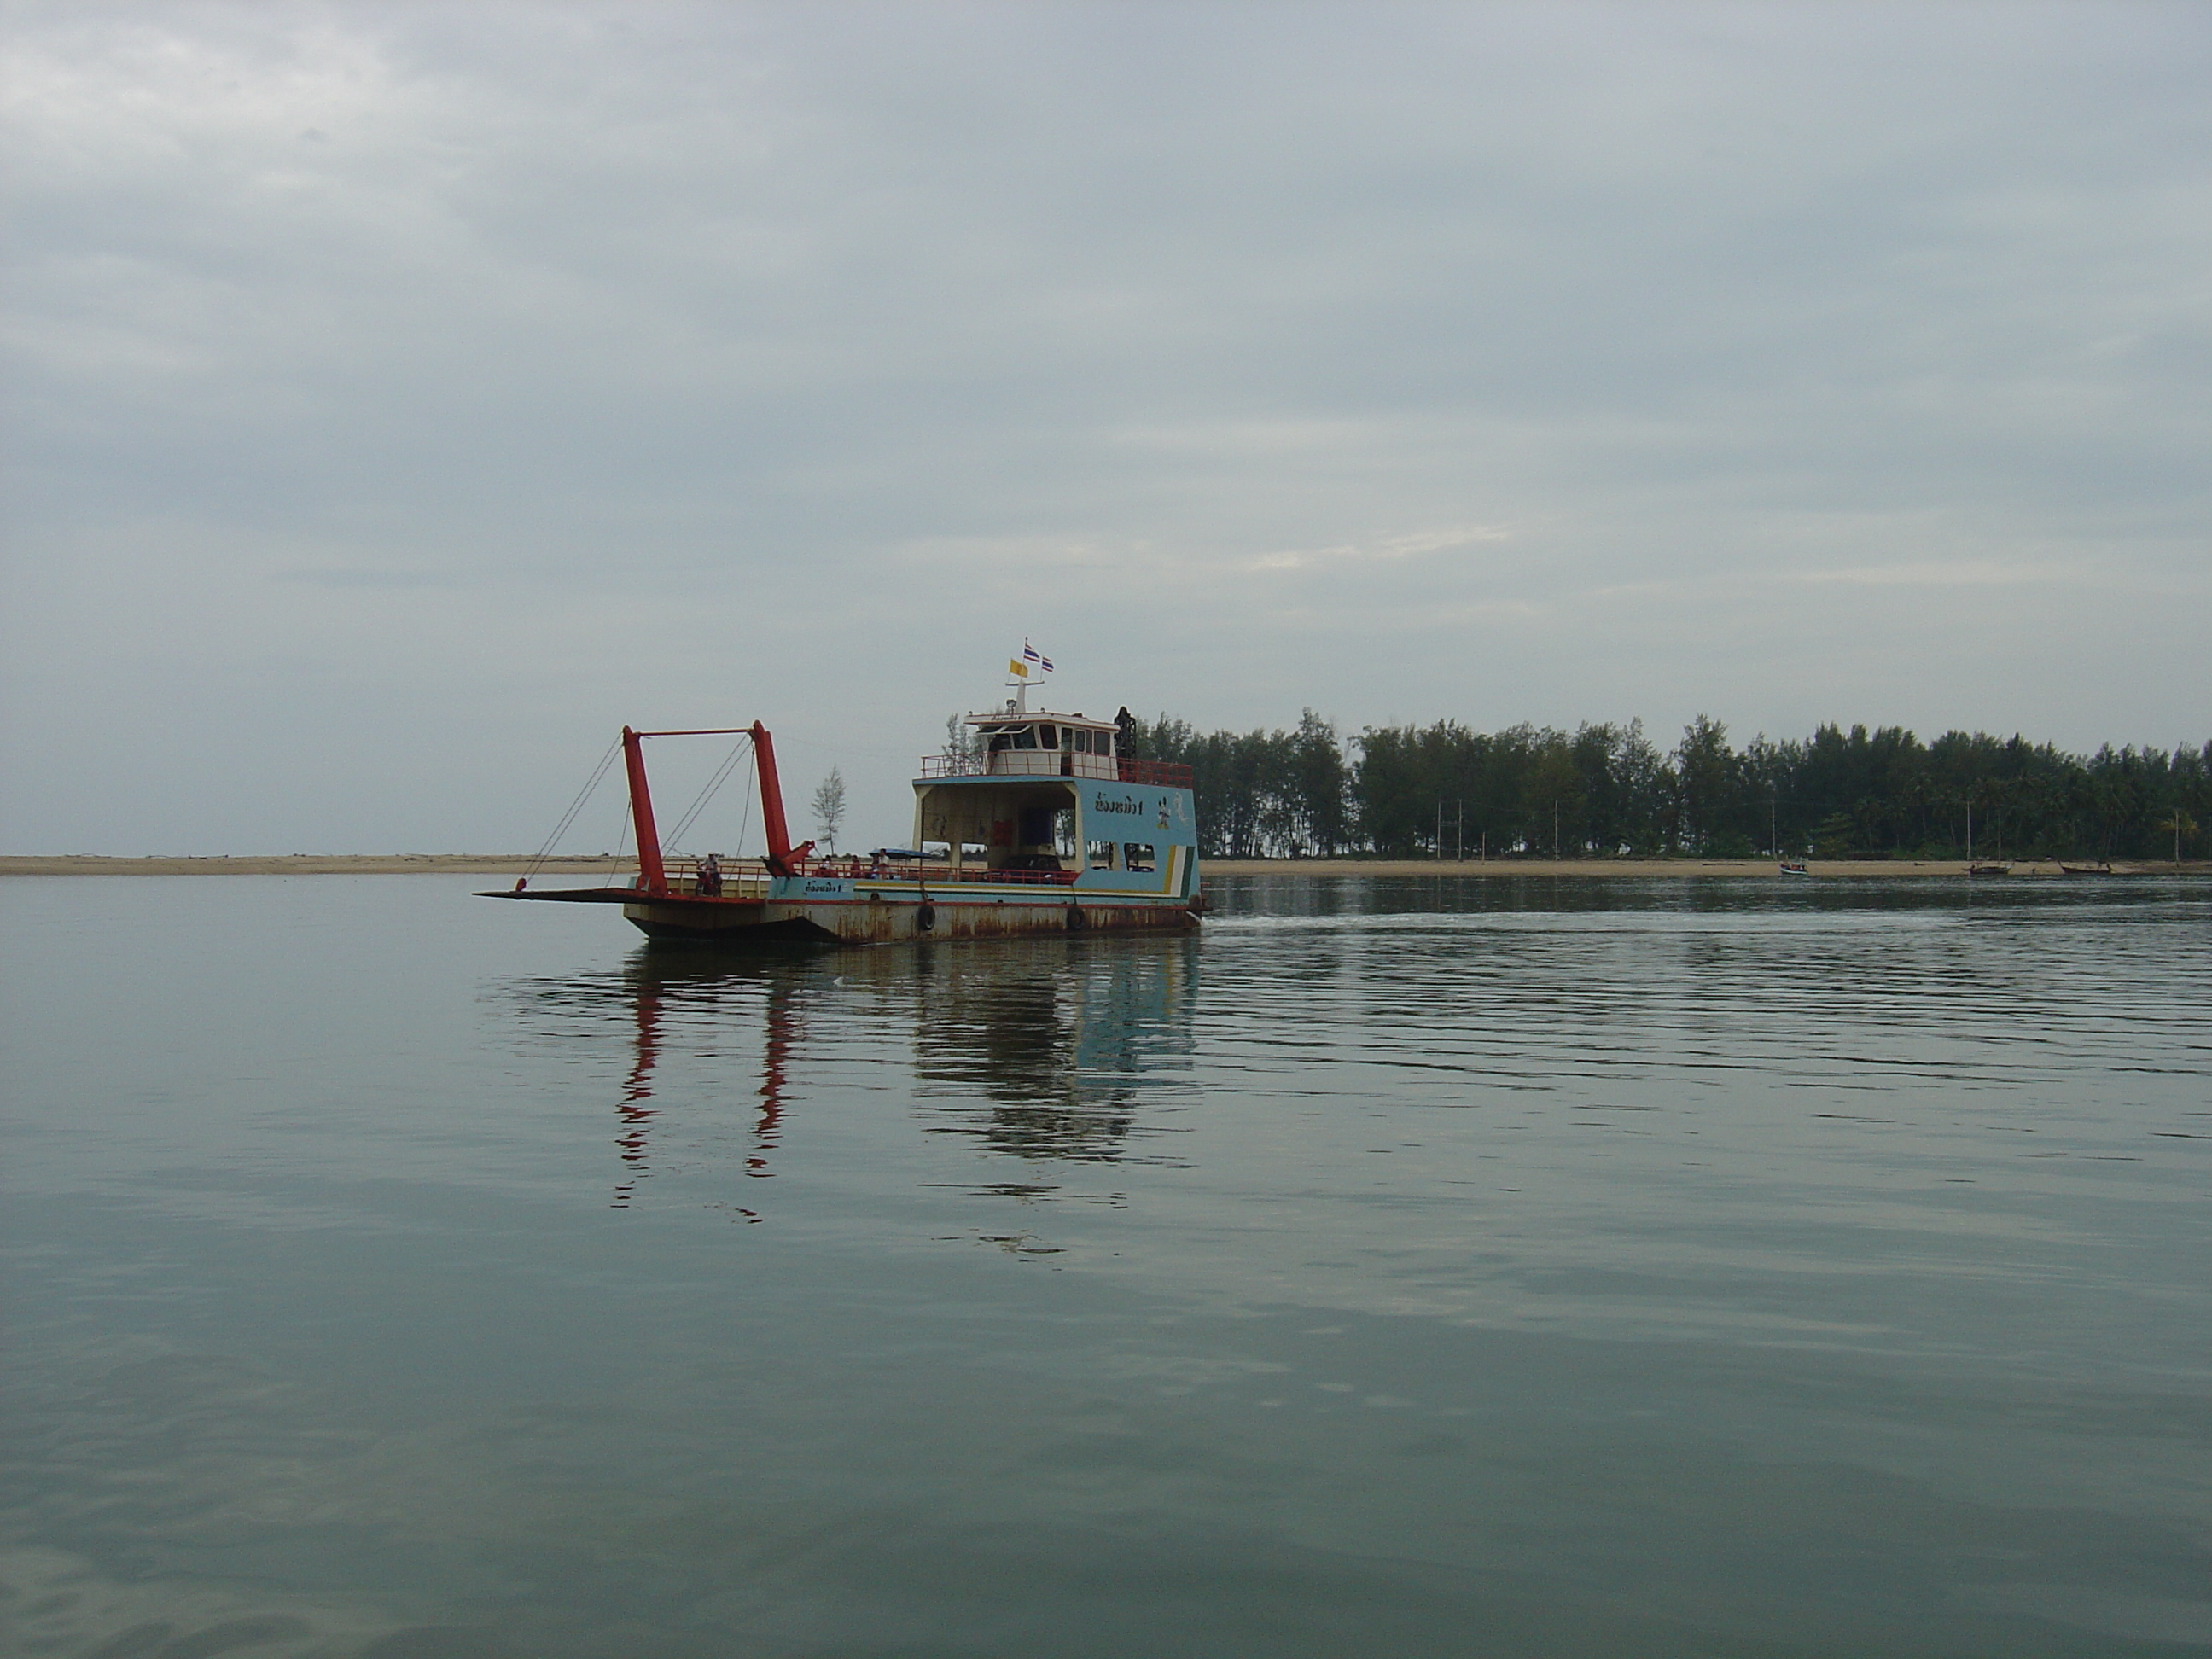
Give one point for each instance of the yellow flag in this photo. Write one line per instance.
(1020, 668)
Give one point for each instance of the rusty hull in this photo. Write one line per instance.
(888, 920)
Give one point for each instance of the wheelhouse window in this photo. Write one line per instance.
(1137, 855)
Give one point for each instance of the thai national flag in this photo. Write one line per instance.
(1029, 651)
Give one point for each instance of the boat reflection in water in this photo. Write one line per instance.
(650, 993)
(1047, 1051)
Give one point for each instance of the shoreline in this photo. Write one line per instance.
(1673, 869)
(514, 864)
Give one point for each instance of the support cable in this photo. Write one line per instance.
(722, 776)
(621, 840)
(745, 821)
(543, 852)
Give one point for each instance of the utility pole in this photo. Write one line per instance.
(1440, 829)
(1555, 830)
(1459, 847)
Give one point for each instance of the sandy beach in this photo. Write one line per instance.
(515, 864)
(312, 864)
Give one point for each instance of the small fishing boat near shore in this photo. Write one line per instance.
(1794, 867)
(1044, 824)
(2102, 868)
(1986, 869)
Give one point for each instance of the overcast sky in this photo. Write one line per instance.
(398, 399)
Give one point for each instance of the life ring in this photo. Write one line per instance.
(925, 917)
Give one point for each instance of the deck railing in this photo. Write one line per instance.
(741, 878)
(1159, 775)
(955, 766)
(749, 878)
(1046, 763)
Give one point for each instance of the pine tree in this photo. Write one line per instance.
(829, 807)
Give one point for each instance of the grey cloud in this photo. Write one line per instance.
(544, 362)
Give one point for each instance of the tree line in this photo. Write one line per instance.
(1608, 790)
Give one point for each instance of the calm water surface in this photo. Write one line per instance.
(1401, 1268)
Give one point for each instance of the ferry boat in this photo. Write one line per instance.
(1045, 824)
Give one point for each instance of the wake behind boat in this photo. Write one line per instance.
(1045, 824)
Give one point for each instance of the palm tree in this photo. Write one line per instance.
(2180, 823)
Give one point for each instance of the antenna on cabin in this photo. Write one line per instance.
(1018, 669)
